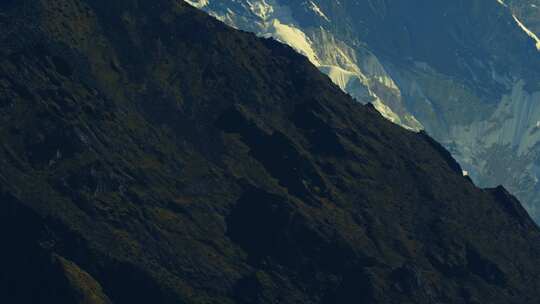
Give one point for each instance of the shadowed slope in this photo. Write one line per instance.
(152, 155)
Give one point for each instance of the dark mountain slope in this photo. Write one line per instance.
(466, 71)
(152, 155)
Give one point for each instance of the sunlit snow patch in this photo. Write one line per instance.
(340, 76)
(318, 11)
(386, 112)
(198, 3)
(502, 3)
(295, 38)
(528, 32)
(261, 9)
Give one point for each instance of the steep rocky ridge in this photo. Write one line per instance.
(465, 71)
(305, 27)
(150, 154)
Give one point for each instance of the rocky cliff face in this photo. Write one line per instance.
(150, 154)
(466, 71)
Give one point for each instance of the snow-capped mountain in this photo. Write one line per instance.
(466, 71)
(349, 64)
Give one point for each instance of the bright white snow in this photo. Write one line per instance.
(338, 75)
(387, 113)
(502, 3)
(528, 32)
(295, 38)
(318, 11)
(198, 3)
(261, 9)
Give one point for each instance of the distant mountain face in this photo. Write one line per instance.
(308, 29)
(466, 71)
(150, 154)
